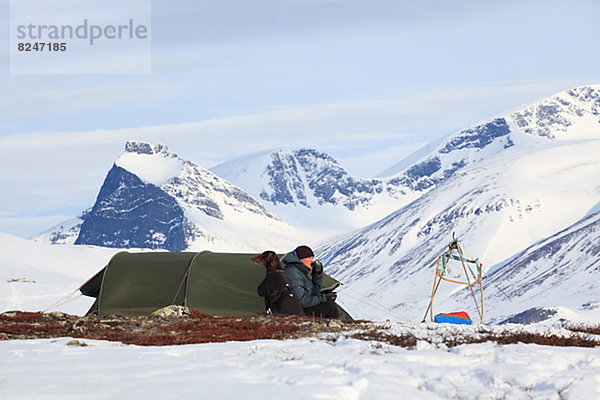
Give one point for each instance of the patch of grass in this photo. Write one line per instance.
(153, 331)
(406, 340)
(202, 328)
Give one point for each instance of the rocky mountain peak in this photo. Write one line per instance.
(152, 198)
(138, 147)
(554, 117)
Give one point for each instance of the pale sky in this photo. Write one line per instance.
(366, 81)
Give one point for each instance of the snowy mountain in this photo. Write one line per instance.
(311, 189)
(522, 178)
(152, 198)
(572, 114)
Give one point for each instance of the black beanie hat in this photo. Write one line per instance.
(304, 252)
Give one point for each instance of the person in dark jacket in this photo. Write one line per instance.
(306, 277)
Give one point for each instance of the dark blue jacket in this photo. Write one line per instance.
(307, 289)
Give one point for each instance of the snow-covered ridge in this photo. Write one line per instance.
(304, 177)
(571, 114)
(556, 117)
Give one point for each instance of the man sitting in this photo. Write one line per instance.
(306, 277)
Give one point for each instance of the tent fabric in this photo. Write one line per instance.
(213, 283)
(92, 287)
(140, 283)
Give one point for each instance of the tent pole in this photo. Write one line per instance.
(181, 283)
(437, 268)
(481, 292)
(460, 254)
(429, 307)
(432, 296)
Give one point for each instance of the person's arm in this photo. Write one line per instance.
(317, 285)
(305, 295)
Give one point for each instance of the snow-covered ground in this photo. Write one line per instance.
(296, 369)
(33, 276)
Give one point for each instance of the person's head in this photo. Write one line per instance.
(305, 254)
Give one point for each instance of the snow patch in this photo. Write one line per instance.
(155, 169)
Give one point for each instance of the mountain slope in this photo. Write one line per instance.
(132, 213)
(568, 262)
(151, 198)
(498, 205)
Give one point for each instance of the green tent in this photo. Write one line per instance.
(212, 283)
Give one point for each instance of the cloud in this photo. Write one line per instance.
(376, 123)
(35, 102)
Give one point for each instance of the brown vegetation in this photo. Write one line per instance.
(157, 331)
(196, 327)
(583, 328)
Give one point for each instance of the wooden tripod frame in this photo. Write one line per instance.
(442, 273)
